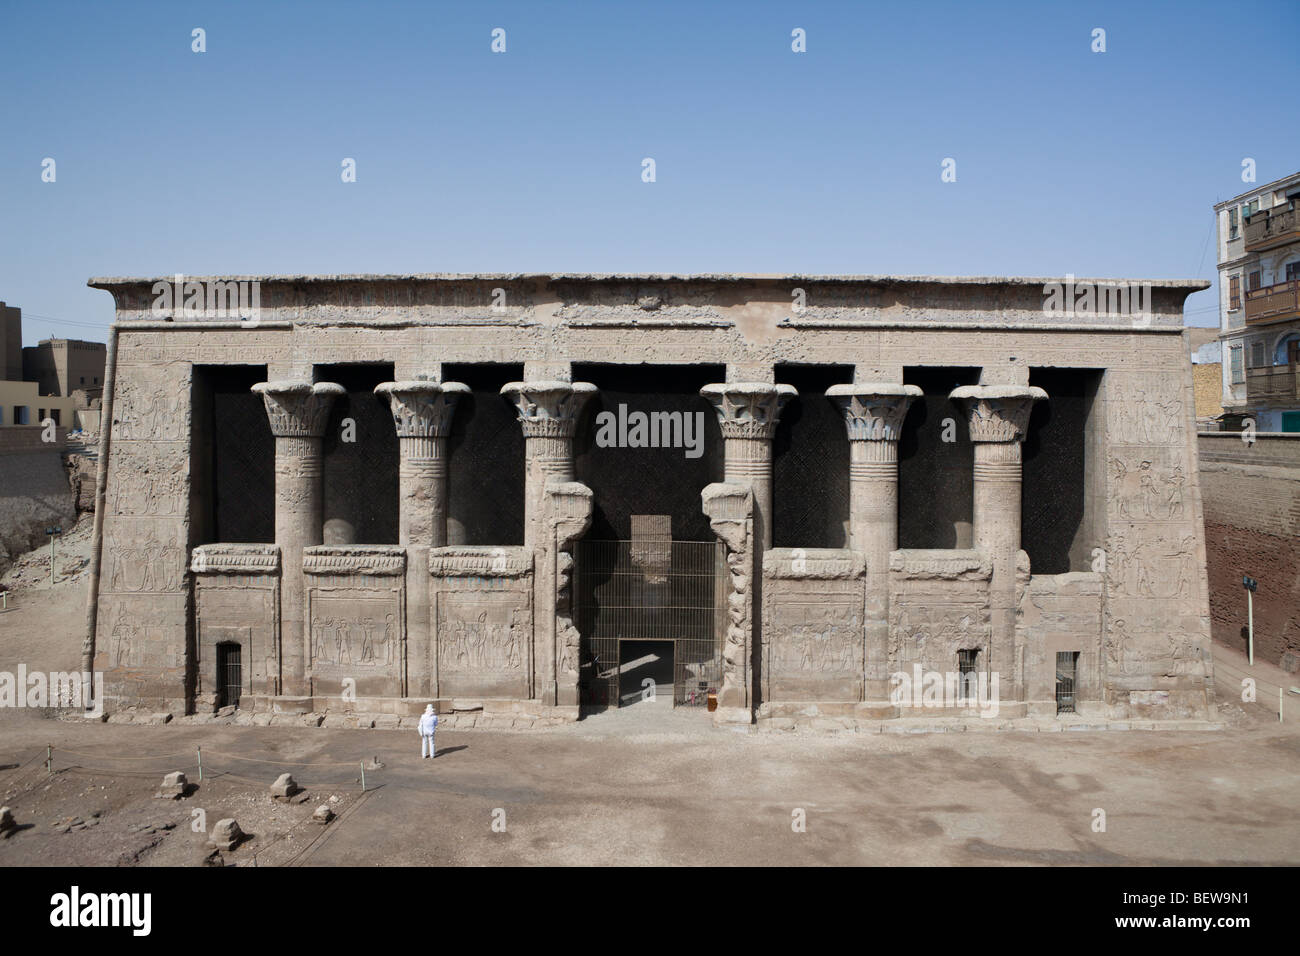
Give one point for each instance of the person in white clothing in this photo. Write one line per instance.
(428, 724)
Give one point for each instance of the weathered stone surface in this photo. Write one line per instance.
(226, 835)
(285, 786)
(385, 628)
(174, 786)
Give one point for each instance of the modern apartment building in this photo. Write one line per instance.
(61, 366)
(1259, 304)
(37, 383)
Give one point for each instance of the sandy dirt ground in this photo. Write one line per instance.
(643, 785)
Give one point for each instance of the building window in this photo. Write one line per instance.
(1234, 365)
(83, 380)
(1232, 223)
(1292, 271)
(1234, 293)
(967, 674)
(21, 414)
(1257, 355)
(1252, 282)
(1067, 666)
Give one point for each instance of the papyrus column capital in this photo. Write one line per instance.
(298, 409)
(998, 413)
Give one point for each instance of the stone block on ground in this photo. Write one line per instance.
(285, 787)
(226, 835)
(173, 787)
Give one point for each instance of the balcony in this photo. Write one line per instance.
(1273, 302)
(1272, 227)
(1273, 385)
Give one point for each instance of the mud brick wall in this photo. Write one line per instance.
(1252, 526)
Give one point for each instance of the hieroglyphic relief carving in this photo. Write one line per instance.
(568, 510)
(148, 564)
(936, 631)
(1153, 565)
(131, 633)
(815, 637)
(149, 481)
(730, 508)
(378, 559)
(356, 632)
(492, 639)
(1134, 650)
(147, 410)
(1140, 489)
(1149, 411)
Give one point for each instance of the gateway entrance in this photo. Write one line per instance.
(649, 609)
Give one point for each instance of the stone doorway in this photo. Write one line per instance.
(653, 610)
(230, 674)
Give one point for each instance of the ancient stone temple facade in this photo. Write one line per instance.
(859, 498)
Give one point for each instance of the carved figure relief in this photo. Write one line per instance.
(150, 411)
(482, 642)
(1141, 490)
(145, 566)
(1154, 566)
(1146, 414)
(361, 639)
(816, 638)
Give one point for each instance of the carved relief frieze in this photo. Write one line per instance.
(358, 628)
(379, 560)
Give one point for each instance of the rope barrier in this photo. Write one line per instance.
(76, 753)
(1259, 681)
(289, 763)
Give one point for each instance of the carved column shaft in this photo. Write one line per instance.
(748, 413)
(873, 416)
(297, 412)
(999, 416)
(422, 414)
(548, 413)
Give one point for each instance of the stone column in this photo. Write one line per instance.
(873, 414)
(422, 413)
(298, 412)
(998, 416)
(748, 413)
(548, 413)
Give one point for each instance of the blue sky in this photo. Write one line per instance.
(229, 161)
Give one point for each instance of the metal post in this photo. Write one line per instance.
(363, 776)
(49, 758)
(1250, 624)
(200, 764)
(52, 537)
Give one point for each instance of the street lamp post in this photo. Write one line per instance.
(1250, 584)
(53, 533)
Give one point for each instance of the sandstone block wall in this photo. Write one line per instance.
(392, 625)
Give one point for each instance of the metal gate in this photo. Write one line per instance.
(1066, 668)
(650, 590)
(230, 674)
